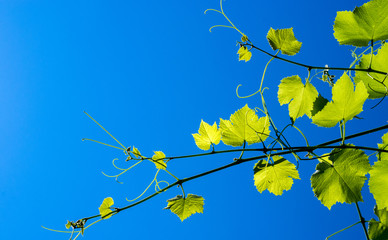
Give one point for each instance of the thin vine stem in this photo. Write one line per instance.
(362, 220)
(315, 67)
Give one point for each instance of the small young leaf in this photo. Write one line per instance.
(342, 181)
(365, 23)
(136, 152)
(207, 135)
(378, 230)
(284, 40)
(378, 85)
(68, 225)
(185, 207)
(275, 177)
(244, 125)
(299, 97)
(158, 160)
(244, 38)
(346, 103)
(244, 54)
(105, 208)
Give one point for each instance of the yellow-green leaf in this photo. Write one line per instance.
(341, 181)
(68, 225)
(299, 97)
(346, 103)
(378, 230)
(207, 135)
(275, 177)
(365, 23)
(284, 40)
(136, 152)
(105, 208)
(185, 207)
(158, 159)
(375, 83)
(244, 125)
(244, 54)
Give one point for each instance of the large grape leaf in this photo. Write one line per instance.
(274, 177)
(244, 125)
(158, 160)
(346, 103)
(378, 230)
(377, 86)
(185, 207)
(319, 103)
(299, 97)
(365, 23)
(207, 135)
(378, 182)
(284, 40)
(105, 208)
(341, 181)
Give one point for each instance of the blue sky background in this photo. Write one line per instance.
(149, 71)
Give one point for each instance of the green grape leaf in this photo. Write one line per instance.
(341, 181)
(378, 183)
(319, 103)
(207, 135)
(244, 125)
(384, 145)
(378, 85)
(284, 40)
(158, 160)
(378, 230)
(274, 177)
(136, 152)
(299, 97)
(105, 208)
(244, 54)
(68, 224)
(185, 207)
(365, 23)
(346, 103)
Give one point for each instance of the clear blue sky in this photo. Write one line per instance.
(149, 71)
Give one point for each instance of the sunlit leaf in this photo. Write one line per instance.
(299, 97)
(346, 103)
(378, 230)
(284, 40)
(185, 207)
(68, 225)
(244, 54)
(275, 177)
(207, 135)
(244, 125)
(342, 181)
(158, 159)
(136, 152)
(365, 23)
(244, 38)
(105, 208)
(375, 83)
(378, 182)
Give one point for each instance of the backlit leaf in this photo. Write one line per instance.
(365, 23)
(244, 54)
(105, 208)
(342, 181)
(378, 230)
(284, 40)
(346, 103)
(207, 135)
(378, 182)
(244, 125)
(274, 177)
(378, 85)
(158, 159)
(68, 225)
(185, 207)
(299, 97)
(136, 152)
